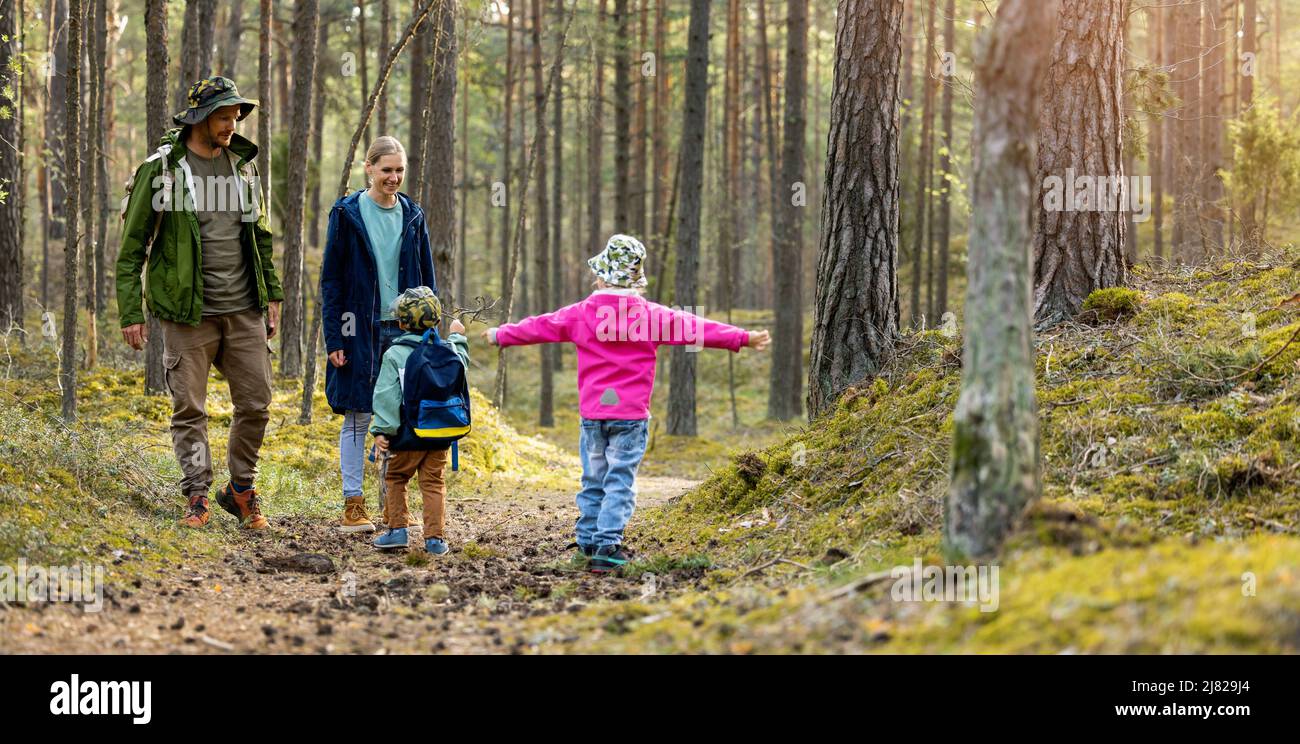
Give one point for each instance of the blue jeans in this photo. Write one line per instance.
(611, 452)
(352, 451)
(352, 438)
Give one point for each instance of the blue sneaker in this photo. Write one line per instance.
(435, 545)
(391, 539)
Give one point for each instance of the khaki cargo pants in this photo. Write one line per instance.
(431, 465)
(236, 344)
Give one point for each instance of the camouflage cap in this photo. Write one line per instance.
(210, 94)
(418, 308)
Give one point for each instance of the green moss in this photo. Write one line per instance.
(1113, 303)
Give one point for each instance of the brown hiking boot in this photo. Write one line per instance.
(355, 518)
(243, 506)
(198, 513)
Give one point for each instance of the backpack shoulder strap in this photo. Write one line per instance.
(160, 154)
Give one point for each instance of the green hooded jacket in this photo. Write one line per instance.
(173, 286)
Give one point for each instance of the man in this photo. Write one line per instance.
(192, 214)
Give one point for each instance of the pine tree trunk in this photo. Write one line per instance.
(385, 44)
(284, 73)
(995, 448)
(923, 164)
(659, 147)
(640, 131)
(463, 226)
(1211, 121)
(776, 198)
(86, 158)
(56, 122)
(157, 120)
(1156, 125)
(1249, 45)
(557, 191)
(729, 181)
(292, 333)
(856, 309)
(541, 249)
(595, 146)
(72, 236)
(681, 394)
(265, 105)
(942, 237)
(207, 27)
(317, 138)
(785, 399)
(11, 248)
(228, 60)
(622, 120)
(440, 150)
(1079, 247)
(507, 148)
(189, 57)
(1187, 150)
(363, 63)
(107, 31)
(420, 53)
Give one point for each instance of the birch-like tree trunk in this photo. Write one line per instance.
(995, 448)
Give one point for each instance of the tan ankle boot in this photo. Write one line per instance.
(355, 518)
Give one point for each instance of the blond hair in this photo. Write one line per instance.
(382, 146)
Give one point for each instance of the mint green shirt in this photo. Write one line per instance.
(384, 226)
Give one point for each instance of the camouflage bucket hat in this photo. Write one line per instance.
(210, 94)
(621, 263)
(418, 308)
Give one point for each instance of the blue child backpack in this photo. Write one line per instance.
(435, 397)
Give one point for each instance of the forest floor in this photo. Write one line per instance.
(1169, 522)
(102, 493)
(307, 588)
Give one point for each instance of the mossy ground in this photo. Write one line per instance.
(1170, 438)
(110, 481)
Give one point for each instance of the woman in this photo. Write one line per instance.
(377, 248)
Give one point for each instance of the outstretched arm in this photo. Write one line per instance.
(539, 329)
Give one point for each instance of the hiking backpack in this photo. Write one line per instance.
(435, 397)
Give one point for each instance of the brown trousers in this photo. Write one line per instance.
(431, 465)
(236, 344)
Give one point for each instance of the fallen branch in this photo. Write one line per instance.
(859, 585)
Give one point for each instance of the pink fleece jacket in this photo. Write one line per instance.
(616, 333)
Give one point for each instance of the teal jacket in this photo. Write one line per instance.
(388, 388)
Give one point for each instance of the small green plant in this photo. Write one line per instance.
(662, 564)
(474, 550)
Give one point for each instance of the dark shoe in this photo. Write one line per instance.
(608, 558)
(582, 558)
(243, 506)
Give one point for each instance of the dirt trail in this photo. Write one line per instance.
(268, 598)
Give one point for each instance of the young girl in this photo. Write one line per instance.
(617, 332)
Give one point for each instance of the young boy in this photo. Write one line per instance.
(417, 310)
